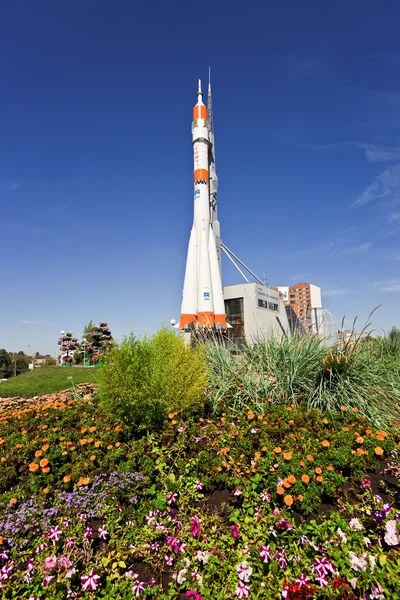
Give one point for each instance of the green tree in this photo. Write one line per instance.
(5, 364)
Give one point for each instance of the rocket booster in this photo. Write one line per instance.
(203, 301)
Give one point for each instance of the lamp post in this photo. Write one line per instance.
(33, 357)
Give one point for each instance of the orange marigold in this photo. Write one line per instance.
(378, 450)
(319, 478)
(288, 500)
(318, 470)
(344, 408)
(280, 491)
(325, 443)
(286, 483)
(46, 490)
(38, 453)
(13, 501)
(288, 455)
(292, 479)
(302, 463)
(67, 479)
(110, 447)
(46, 470)
(310, 457)
(45, 447)
(300, 498)
(305, 478)
(277, 450)
(359, 439)
(380, 437)
(44, 462)
(93, 457)
(33, 467)
(329, 468)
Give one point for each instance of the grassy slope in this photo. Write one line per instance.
(46, 380)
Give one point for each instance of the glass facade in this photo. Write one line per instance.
(235, 316)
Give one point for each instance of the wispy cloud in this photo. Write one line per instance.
(13, 185)
(385, 186)
(373, 152)
(392, 288)
(330, 293)
(30, 322)
(343, 245)
(395, 217)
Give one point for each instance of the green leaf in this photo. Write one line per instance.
(382, 559)
(122, 564)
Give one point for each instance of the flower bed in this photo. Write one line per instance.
(285, 504)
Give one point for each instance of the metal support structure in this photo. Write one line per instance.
(226, 249)
(237, 267)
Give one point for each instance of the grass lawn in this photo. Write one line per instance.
(46, 380)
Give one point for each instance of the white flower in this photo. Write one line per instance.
(244, 571)
(372, 561)
(353, 582)
(367, 541)
(358, 563)
(203, 556)
(181, 576)
(355, 525)
(342, 535)
(392, 538)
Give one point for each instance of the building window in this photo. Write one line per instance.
(235, 316)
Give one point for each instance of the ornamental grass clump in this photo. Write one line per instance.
(143, 380)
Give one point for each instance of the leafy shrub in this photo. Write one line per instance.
(145, 379)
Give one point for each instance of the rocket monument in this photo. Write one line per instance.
(203, 301)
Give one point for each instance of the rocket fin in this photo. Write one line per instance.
(219, 305)
(189, 297)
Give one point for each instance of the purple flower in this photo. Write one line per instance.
(366, 483)
(193, 594)
(169, 560)
(138, 587)
(174, 543)
(322, 566)
(88, 533)
(54, 534)
(172, 497)
(195, 526)
(244, 571)
(70, 543)
(50, 562)
(198, 486)
(322, 580)
(284, 524)
(5, 572)
(242, 590)
(64, 562)
(90, 582)
(47, 580)
(281, 556)
(265, 553)
(102, 531)
(235, 531)
(266, 496)
(155, 546)
(41, 547)
(302, 580)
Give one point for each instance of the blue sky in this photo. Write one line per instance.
(96, 158)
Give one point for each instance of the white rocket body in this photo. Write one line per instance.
(202, 302)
